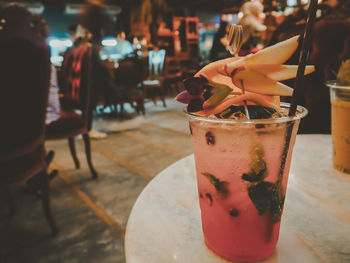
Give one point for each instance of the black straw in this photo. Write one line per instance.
(299, 79)
(304, 54)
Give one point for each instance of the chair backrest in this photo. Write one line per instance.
(129, 71)
(156, 62)
(24, 83)
(77, 71)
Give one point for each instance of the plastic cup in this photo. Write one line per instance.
(241, 184)
(340, 101)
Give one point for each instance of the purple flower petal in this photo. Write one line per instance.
(207, 92)
(184, 97)
(195, 105)
(195, 85)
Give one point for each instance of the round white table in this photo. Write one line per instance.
(165, 225)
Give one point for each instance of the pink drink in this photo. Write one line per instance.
(241, 191)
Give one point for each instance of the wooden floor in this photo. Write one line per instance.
(92, 214)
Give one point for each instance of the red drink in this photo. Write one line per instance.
(240, 184)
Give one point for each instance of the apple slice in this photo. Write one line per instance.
(211, 72)
(211, 69)
(280, 72)
(259, 83)
(276, 54)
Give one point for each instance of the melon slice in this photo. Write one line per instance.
(276, 54)
(280, 72)
(259, 83)
(211, 72)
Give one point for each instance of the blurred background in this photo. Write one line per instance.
(130, 57)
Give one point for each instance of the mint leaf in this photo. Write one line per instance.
(260, 112)
(277, 202)
(257, 163)
(261, 195)
(220, 186)
(228, 112)
(258, 169)
(255, 112)
(266, 196)
(253, 177)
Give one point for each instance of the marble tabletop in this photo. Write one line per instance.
(165, 225)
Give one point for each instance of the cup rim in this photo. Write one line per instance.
(333, 84)
(300, 113)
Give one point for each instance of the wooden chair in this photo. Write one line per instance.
(128, 77)
(24, 76)
(76, 70)
(173, 76)
(153, 85)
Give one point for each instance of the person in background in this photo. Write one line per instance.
(94, 20)
(219, 48)
(77, 34)
(251, 22)
(53, 106)
(72, 30)
(124, 47)
(330, 46)
(292, 25)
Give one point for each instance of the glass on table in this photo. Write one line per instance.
(241, 184)
(340, 101)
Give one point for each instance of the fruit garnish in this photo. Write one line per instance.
(280, 72)
(273, 55)
(343, 76)
(197, 90)
(202, 93)
(258, 83)
(260, 73)
(219, 92)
